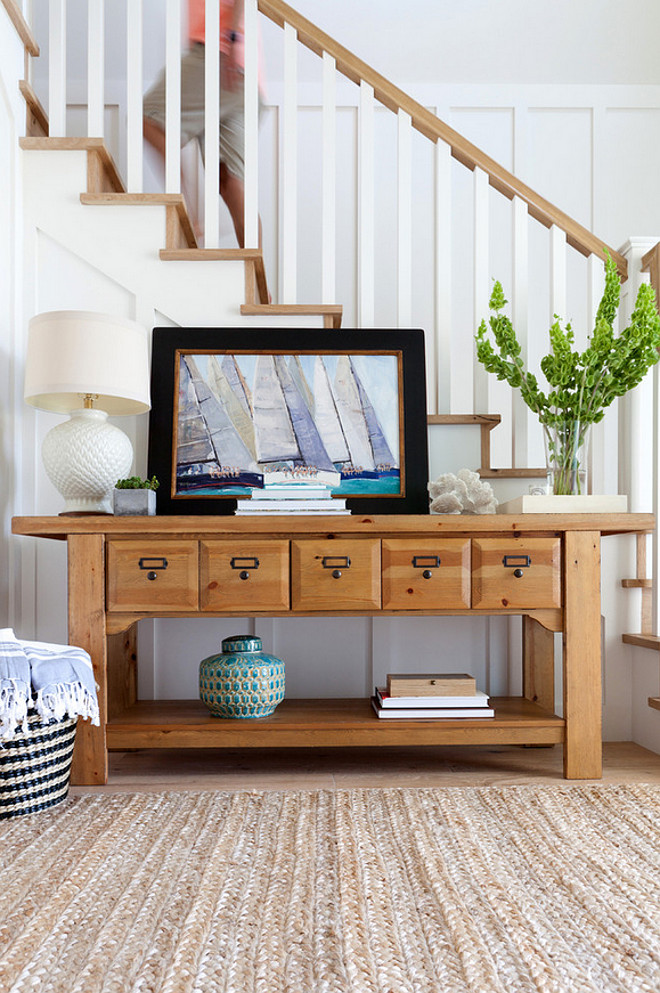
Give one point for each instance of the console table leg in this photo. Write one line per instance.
(582, 657)
(538, 664)
(122, 670)
(87, 630)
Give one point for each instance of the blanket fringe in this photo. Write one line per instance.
(14, 702)
(59, 700)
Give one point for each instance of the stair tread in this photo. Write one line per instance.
(292, 308)
(210, 254)
(643, 640)
(331, 311)
(132, 198)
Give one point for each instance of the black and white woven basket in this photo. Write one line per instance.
(35, 767)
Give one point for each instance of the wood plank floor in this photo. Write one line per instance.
(343, 768)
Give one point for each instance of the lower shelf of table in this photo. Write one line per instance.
(324, 723)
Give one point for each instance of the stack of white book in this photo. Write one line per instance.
(431, 697)
(293, 498)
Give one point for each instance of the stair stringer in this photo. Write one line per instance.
(123, 241)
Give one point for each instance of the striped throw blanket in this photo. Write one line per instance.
(55, 680)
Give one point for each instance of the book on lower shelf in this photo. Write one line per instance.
(431, 684)
(478, 699)
(431, 713)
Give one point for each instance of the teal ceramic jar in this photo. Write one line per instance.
(243, 681)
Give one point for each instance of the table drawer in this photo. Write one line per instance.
(251, 576)
(426, 574)
(150, 575)
(341, 574)
(516, 572)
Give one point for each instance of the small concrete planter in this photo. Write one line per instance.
(134, 502)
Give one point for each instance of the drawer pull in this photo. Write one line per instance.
(152, 564)
(334, 561)
(516, 561)
(336, 574)
(518, 573)
(244, 574)
(427, 574)
(426, 562)
(152, 575)
(245, 562)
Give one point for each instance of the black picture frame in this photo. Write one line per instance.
(172, 349)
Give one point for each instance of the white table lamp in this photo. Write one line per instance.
(87, 365)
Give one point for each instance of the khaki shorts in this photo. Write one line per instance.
(232, 114)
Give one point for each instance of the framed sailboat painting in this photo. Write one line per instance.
(241, 413)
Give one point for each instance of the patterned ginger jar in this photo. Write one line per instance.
(243, 681)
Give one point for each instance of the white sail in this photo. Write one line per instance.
(379, 446)
(236, 380)
(229, 447)
(193, 439)
(351, 414)
(326, 416)
(310, 444)
(273, 432)
(233, 405)
(298, 375)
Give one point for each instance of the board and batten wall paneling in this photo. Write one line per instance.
(361, 650)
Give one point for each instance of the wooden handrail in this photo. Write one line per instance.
(651, 264)
(21, 25)
(577, 236)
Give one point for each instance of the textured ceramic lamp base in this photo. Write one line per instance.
(83, 458)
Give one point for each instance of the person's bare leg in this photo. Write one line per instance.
(155, 136)
(232, 192)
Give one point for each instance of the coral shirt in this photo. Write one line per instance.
(196, 24)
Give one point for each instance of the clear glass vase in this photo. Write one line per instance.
(567, 457)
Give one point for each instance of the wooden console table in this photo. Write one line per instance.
(545, 568)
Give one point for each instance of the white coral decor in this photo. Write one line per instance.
(464, 493)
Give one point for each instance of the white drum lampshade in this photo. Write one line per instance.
(87, 365)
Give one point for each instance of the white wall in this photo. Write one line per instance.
(511, 41)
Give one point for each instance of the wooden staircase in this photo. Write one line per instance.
(105, 187)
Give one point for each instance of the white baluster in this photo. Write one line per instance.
(652, 543)
(173, 97)
(636, 407)
(439, 352)
(134, 96)
(404, 202)
(251, 125)
(57, 68)
(95, 68)
(597, 455)
(557, 273)
(329, 181)
(520, 318)
(366, 230)
(212, 125)
(481, 284)
(290, 167)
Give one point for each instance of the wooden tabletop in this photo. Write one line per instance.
(349, 524)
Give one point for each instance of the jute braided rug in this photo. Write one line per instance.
(487, 890)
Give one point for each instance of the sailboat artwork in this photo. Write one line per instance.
(249, 421)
